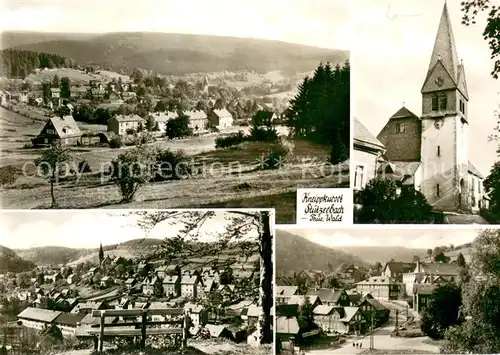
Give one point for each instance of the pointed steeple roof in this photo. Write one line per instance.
(444, 47)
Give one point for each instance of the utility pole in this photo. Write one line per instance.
(397, 313)
(372, 345)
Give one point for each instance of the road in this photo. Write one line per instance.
(382, 339)
(464, 219)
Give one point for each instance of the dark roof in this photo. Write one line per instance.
(287, 310)
(424, 289)
(355, 298)
(441, 269)
(69, 318)
(403, 112)
(376, 304)
(326, 294)
(362, 136)
(401, 267)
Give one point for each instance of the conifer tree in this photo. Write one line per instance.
(101, 254)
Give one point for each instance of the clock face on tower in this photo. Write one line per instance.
(438, 123)
(439, 81)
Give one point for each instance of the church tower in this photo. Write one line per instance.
(205, 85)
(445, 125)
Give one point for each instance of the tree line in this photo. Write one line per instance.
(321, 110)
(17, 63)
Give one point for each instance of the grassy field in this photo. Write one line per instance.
(76, 76)
(225, 177)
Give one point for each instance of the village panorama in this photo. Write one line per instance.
(162, 120)
(156, 282)
(374, 291)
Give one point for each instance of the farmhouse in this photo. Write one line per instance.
(428, 273)
(331, 297)
(421, 295)
(78, 92)
(121, 124)
(68, 322)
(129, 283)
(189, 286)
(151, 285)
(172, 286)
(55, 93)
(106, 281)
(197, 119)
(59, 130)
(161, 119)
(220, 118)
(264, 118)
(381, 287)
(396, 269)
(198, 315)
(37, 318)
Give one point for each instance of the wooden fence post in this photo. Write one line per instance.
(143, 330)
(101, 333)
(185, 327)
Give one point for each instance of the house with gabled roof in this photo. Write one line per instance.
(62, 130)
(37, 318)
(172, 286)
(284, 293)
(151, 285)
(122, 124)
(220, 118)
(189, 286)
(198, 119)
(330, 296)
(396, 269)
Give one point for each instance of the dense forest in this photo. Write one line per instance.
(11, 262)
(321, 109)
(19, 63)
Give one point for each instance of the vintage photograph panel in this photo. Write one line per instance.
(426, 112)
(113, 282)
(158, 107)
(387, 291)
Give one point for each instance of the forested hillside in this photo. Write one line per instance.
(16, 63)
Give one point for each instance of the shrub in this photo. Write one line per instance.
(83, 167)
(171, 165)
(130, 131)
(262, 134)
(115, 142)
(339, 153)
(230, 140)
(276, 157)
(8, 175)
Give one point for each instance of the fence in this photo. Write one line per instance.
(129, 329)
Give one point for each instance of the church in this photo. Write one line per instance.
(428, 152)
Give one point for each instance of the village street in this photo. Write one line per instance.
(382, 339)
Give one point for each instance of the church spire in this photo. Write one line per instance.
(444, 46)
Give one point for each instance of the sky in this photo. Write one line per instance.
(407, 237)
(390, 56)
(87, 229)
(321, 23)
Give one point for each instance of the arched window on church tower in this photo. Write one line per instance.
(443, 101)
(435, 102)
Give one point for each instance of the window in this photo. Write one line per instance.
(462, 106)
(434, 102)
(479, 186)
(400, 127)
(438, 151)
(358, 176)
(437, 190)
(443, 101)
